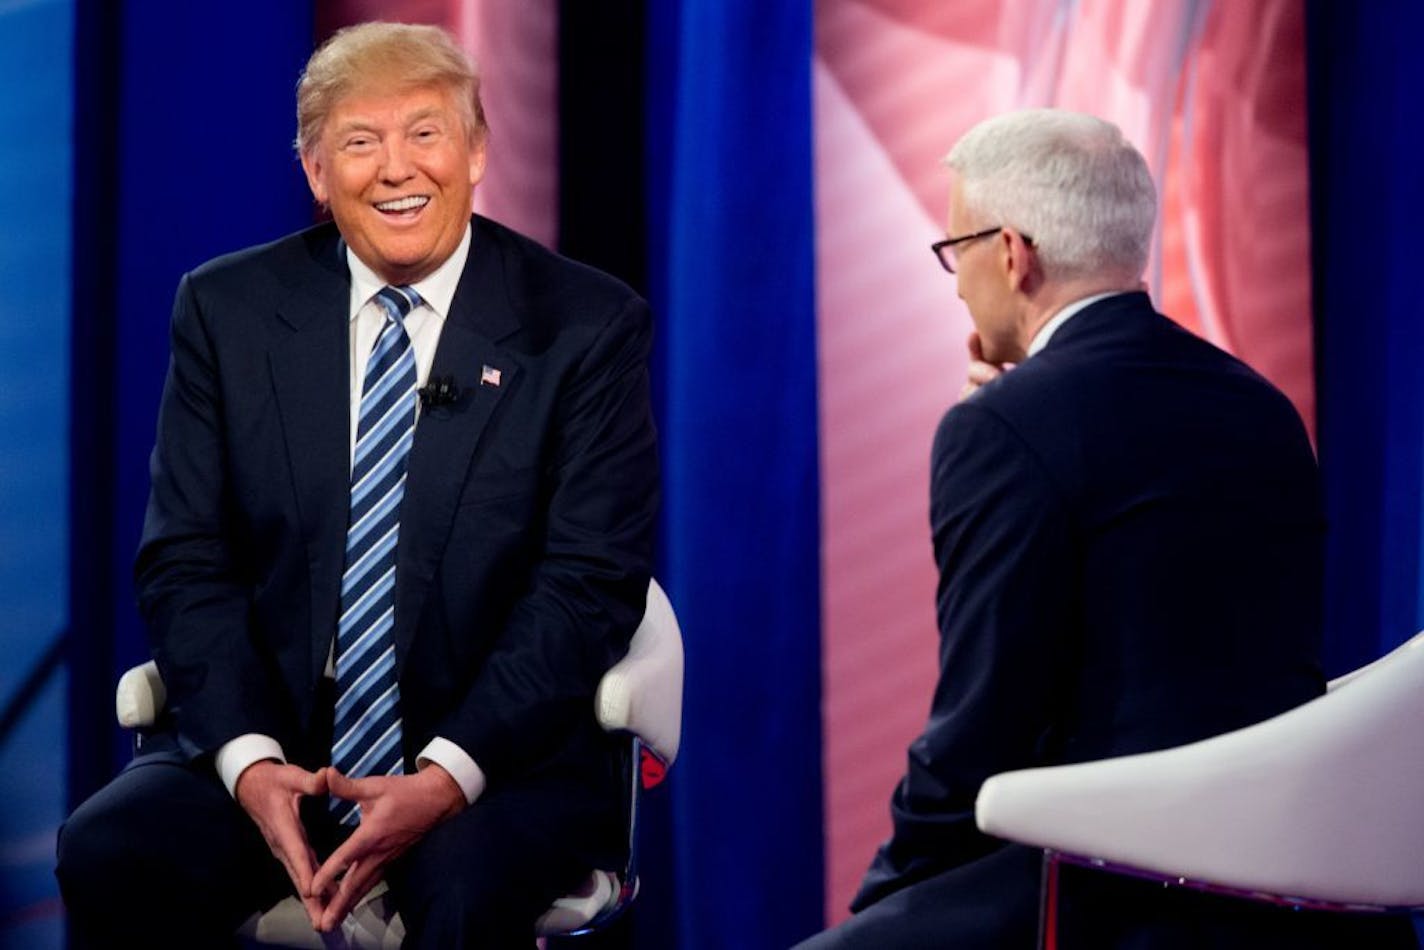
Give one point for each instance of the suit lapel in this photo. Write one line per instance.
(311, 377)
(446, 436)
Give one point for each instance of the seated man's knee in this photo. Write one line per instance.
(105, 881)
(157, 830)
(463, 913)
(479, 882)
(95, 857)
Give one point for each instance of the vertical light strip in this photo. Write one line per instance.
(516, 47)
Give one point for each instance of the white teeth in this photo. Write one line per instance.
(403, 204)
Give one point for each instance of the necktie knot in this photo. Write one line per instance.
(398, 302)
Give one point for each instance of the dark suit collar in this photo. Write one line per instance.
(1118, 313)
(314, 278)
(317, 282)
(482, 298)
(311, 382)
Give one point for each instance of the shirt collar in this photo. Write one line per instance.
(437, 290)
(1045, 332)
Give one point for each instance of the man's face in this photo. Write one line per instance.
(981, 281)
(397, 169)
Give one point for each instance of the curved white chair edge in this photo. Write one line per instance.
(1210, 812)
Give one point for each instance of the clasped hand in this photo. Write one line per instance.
(396, 811)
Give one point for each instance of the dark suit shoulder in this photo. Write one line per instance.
(1122, 395)
(1122, 353)
(1125, 332)
(975, 419)
(546, 287)
(285, 262)
(302, 275)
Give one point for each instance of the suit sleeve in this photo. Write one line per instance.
(191, 586)
(589, 587)
(1003, 542)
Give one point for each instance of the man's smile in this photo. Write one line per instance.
(402, 208)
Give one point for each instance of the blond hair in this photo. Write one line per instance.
(394, 55)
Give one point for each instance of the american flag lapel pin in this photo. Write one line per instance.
(489, 376)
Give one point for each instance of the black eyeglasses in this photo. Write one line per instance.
(945, 250)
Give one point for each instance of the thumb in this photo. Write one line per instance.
(341, 786)
(313, 783)
(976, 346)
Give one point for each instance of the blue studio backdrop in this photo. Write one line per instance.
(184, 152)
(36, 155)
(1367, 198)
(732, 276)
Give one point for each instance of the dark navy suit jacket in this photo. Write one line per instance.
(526, 528)
(1128, 530)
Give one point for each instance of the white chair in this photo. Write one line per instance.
(641, 697)
(1320, 807)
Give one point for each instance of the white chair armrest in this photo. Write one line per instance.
(140, 696)
(642, 693)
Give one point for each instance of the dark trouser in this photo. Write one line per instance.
(163, 857)
(989, 904)
(993, 904)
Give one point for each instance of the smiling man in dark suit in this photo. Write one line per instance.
(1128, 531)
(403, 501)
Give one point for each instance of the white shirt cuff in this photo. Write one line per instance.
(235, 755)
(455, 760)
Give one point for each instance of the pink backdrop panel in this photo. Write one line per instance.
(1213, 95)
(517, 47)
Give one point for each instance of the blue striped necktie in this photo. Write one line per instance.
(367, 735)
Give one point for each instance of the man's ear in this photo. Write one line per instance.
(1020, 262)
(315, 170)
(477, 160)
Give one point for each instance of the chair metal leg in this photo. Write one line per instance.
(1048, 902)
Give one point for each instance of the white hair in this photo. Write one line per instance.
(1069, 181)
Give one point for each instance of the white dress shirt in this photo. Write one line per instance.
(423, 325)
